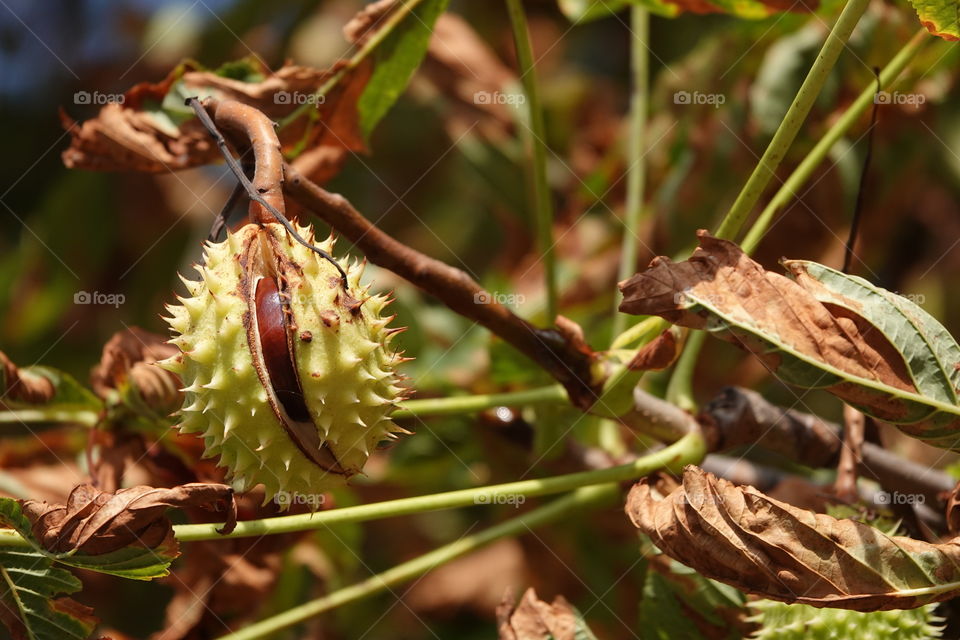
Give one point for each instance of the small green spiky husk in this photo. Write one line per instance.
(781, 621)
(346, 367)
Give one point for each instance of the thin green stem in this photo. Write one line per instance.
(537, 141)
(616, 398)
(792, 121)
(50, 414)
(636, 168)
(689, 449)
(642, 331)
(594, 496)
(552, 394)
(680, 387)
(805, 169)
(375, 40)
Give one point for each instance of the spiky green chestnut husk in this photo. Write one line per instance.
(781, 621)
(339, 346)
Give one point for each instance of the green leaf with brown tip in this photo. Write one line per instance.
(875, 350)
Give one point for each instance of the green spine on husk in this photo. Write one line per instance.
(346, 367)
(781, 621)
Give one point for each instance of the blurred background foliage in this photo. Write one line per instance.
(456, 191)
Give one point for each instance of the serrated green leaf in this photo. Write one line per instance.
(29, 584)
(133, 562)
(929, 351)
(877, 351)
(397, 58)
(661, 614)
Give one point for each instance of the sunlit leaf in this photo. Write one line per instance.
(31, 606)
(876, 350)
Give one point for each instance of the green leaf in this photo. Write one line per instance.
(133, 562)
(876, 350)
(930, 352)
(29, 585)
(661, 613)
(940, 17)
(396, 58)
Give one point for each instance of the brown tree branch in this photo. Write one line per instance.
(740, 417)
(561, 354)
(248, 128)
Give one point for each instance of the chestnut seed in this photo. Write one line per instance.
(273, 331)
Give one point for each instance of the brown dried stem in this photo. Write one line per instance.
(559, 354)
(741, 417)
(248, 128)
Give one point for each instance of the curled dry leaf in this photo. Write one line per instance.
(17, 385)
(534, 619)
(151, 130)
(127, 365)
(98, 522)
(822, 329)
(657, 354)
(225, 581)
(763, 546)
(953, 511)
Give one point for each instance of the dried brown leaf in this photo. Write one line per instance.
(127, 361)
(136, 135)
(225, 581)
(953, 511)
(362, 25)
(657, 354)
(475, 582)
(98, 522)
(719, 271)
(132, 136)
(534, 619)
(22, 386)
(822, 329)
(763, 546)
